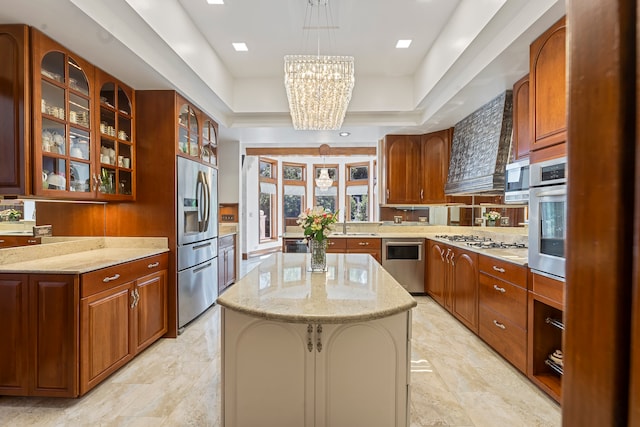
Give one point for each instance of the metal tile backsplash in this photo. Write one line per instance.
(480, 148)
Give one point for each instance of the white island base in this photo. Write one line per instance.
(297, 366)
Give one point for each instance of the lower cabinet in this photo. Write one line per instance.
(545, 333)
(39, 333)
(290, 374)
(356, 245)
(13, 241)
(452, 280)
(66, 333)
(123, 310)
(503, 309)
(226, 262)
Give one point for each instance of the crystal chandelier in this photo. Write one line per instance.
(324, 181)
(318, 87)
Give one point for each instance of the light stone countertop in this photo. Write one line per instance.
(78, 255)
(354, 288)
(516, 256)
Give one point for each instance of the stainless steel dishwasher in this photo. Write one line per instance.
(403, 258)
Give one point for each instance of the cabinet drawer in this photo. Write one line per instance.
(504, 270)
(336, 245)
(506, 338)
(504, 298)
(548, 287)
(226, 241)
(364, 243)
(105, 278)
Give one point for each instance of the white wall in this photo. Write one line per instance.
(249, 199)
(229, 160)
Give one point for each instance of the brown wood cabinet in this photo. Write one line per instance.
(417, 167)
(356, 245)
(123, 310)
(12, 241)
(503, 309)
(40, 330)
(545, 332)
(66, 333)
(548, 93)
(197, 134)
(521, 121)
(226, 261)
(15, 127)
(51, 146)
(452, 280)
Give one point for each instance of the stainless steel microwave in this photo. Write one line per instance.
(516, 183)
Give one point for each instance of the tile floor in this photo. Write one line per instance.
(457, 380)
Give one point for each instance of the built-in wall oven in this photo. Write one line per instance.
(548, 216)
(403, 258)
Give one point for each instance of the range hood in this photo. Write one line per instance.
(480, 149)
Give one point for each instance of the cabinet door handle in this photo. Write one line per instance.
(421, 194)
(310, 338)
(388, 193)
(452, 257)
(498, 269)
(133, 299)
(319, 342)
(499, 289)
(442, 255)
(109, 279)
(363, 243)
(153, 265)
(137, 296)
(499, 325)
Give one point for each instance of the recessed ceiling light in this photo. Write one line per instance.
(345, 133)
(403, 44)
(240, 47)
(215, 1)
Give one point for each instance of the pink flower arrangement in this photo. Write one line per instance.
(316, 222)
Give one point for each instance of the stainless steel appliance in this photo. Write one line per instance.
(516, 186)
(197, 239)
(548, 216)
(403, 258)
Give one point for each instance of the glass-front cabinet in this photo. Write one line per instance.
(83, 127)
(62, 121)
(197, 134)
(115, 153)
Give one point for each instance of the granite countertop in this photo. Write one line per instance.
(354, 288)
(516, 256)
(78, 255)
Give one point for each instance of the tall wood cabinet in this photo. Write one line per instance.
(548, 93)
(70, 131)
(417, 167)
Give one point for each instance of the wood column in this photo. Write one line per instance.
(600, 262)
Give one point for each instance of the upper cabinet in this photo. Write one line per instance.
(196, 134)
(115, 151)
(71, 128)
(15, 110)
(548, 93)
(521, 120)
(417, 167)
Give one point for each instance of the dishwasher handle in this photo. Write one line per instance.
(404, 244)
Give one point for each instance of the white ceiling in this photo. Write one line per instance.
(464, 53)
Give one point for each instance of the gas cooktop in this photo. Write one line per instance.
(480, 242)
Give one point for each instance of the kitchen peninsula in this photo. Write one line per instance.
(316, 349)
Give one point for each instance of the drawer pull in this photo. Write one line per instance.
(195, 248)
(153, 265)
(331, 243)
(363, 243)
(1, 240)
(499, 289)
(109, 279)
(498, 269)
(32, 241)
(499, 325)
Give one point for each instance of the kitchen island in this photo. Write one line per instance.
(316, 349)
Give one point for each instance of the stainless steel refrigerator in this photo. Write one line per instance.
(197, 227)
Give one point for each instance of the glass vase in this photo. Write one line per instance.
(318, 255)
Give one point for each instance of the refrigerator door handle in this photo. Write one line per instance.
(201, 198)
(207, 194)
